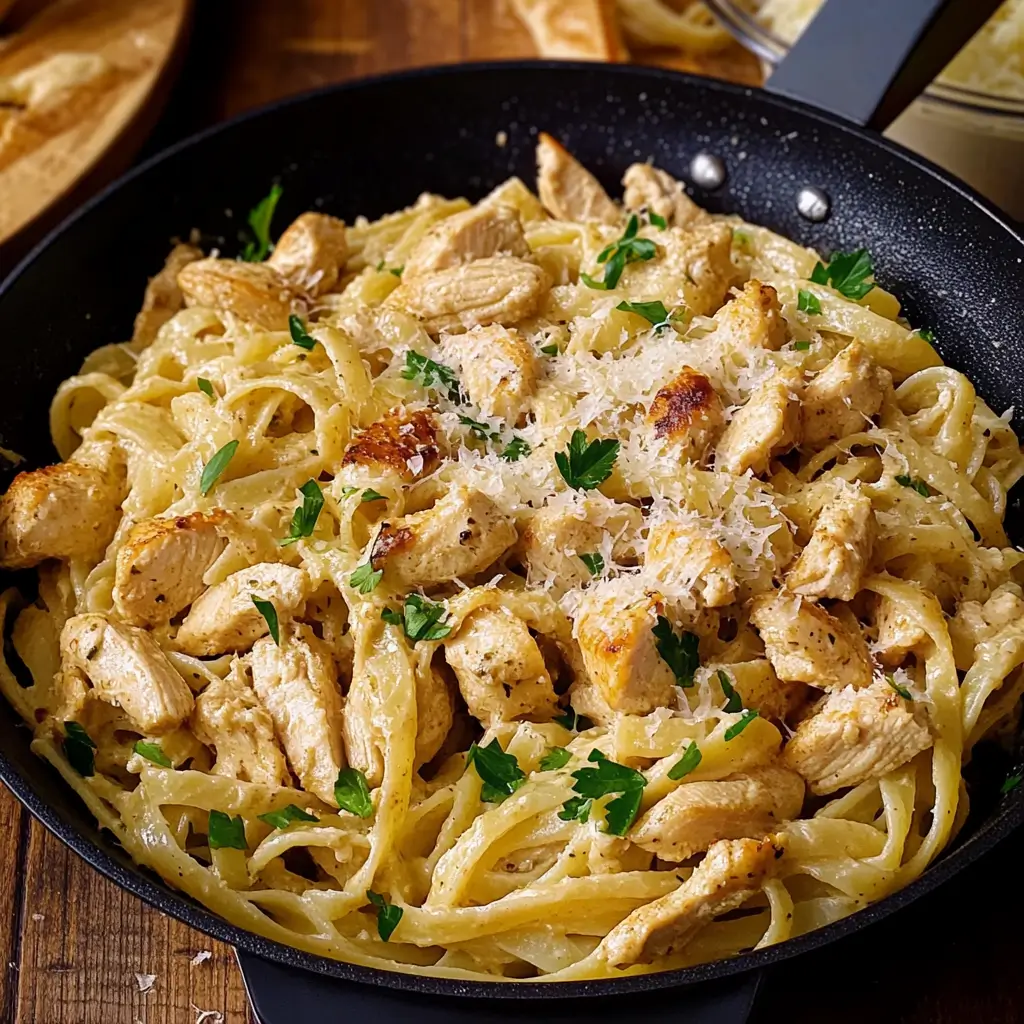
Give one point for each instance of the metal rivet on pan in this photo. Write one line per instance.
(707, 171)
(813, 203)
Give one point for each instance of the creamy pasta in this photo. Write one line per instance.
(548, 588)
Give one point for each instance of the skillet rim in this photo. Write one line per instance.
(138, 881)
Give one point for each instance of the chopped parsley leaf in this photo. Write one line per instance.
(678, 652)
(916, 484)
(807, 302)
(615, 257)
(79, 749)
(432, 375)
(213, 469)
(224, 832)
(607, 778)
(371, 495)
(657, 220)
(1012, 781)
(801, 346)
(269, 613)
(153, 752)
(499, 772)
(258, 248)
(352, 794)
(847, 272)
(285, 816)
(733, 703)
(734, 730)
(420, 619)
(576, 808)
(478, 429)
(926, 335)
(587, 464)
(549, 350)
(388, 915)
(297, 329)
(572, 721)
(556, 757)
(365, 578)
(594, 563)
(397, 271)
(206, 387)
(515, 450)
(687, 763)
(653, 312)
(305, 515)
(901, 690)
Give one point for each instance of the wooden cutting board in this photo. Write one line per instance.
(54, 154)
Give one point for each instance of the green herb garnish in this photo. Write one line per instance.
(206, 387)
(549, 350)
(305, 515)
(801, 346)
(925, 335)
(260, 217)
(420, 619)
(615, 257)
(657, 220)
(678, 652)
(1011, 782)
(431, 374)
(572, 721)
(847, 272)
(478, 429)
(916, 484)
(556, 757)
(686, 764)
(364, 578)
(153, 752)
(807, 302)
(653, 312)
(351, 793)
(515, 450)
(576, 808)
(607, 778)
(388, 915)
(397, 271)
(213, 469)
(297, 330)
(269, 613)
(371, 495)
(901, 690)
(499, 772)
(224, 832)
(587, 464)
(284, 817)
(733, 702)
(594, 563)
(79, 749)
(734, 730)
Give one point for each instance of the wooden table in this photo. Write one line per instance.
(74, 943)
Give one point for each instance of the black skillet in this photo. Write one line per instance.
(371, 147)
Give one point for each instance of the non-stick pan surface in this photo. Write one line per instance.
(372, 147)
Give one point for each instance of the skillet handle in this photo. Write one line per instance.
(289, 995)
(868, 60)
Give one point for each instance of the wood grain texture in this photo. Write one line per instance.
(77, 942)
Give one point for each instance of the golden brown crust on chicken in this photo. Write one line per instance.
(250, 291)
(688, 410)
(857, 735)
(402, 443)
(732, 872)
(698, 814)
(567, 189)
(161, 565)
(753, 319)
(311, 253)
(805, 644)
(163, 297)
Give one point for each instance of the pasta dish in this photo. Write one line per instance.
(556, 588)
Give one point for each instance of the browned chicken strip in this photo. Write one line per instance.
(163, 297)
(480, 231)
(311, 253)
(567, 189)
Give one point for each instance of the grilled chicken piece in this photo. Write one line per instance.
(161, 566)
(753, 319)
(839, 552)
(229, 718)
(127, 668)
(659, 193)
(311, 253)
(70, 510)
(480, 231)
(494, 290)
(567, 189)
(697, 814)
(619, 650)
(254, 292)
(692, 265)
(732, 872)
(898, 634)
(163, 297)
(225, 619)
(556, 535)
(689, 411)
(298, 685)
(402, 443)
(768, 425)
(461, 535)
(683, 555)
(500, 669)
(844, 396)
(975, 622)
(498, 369)
(857, 735)
(435, 713)
(573, 29)
(805, 644)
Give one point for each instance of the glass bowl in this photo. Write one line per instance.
(977, 136)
